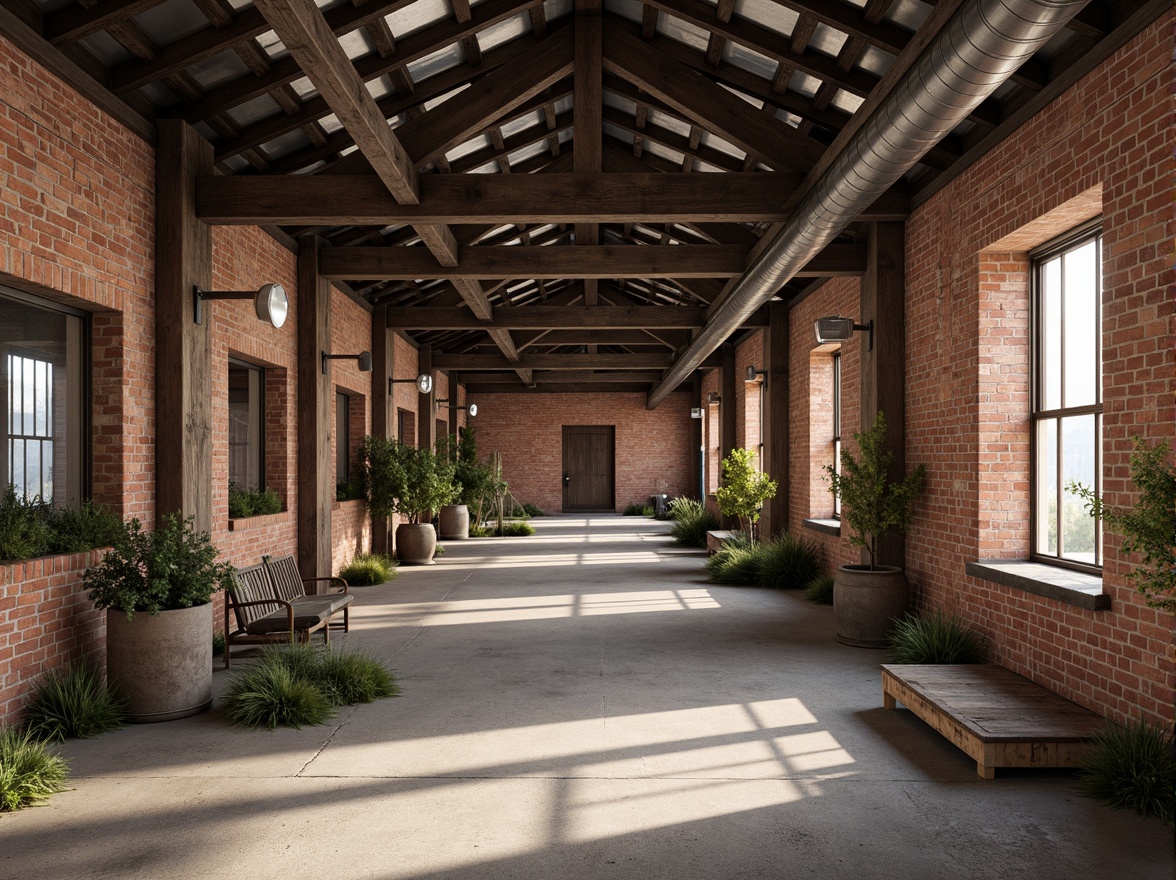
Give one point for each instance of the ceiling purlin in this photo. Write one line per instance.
(81, 20)
(587, 105)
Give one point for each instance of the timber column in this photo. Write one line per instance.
(382, 409)
(183, 348)
(426, 403)
(315, 492)
(776, 458)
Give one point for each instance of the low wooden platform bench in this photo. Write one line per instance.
(997, 717)
(269, 603)
(715, 540)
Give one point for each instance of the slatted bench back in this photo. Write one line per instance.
(287, 582)
(251, 584)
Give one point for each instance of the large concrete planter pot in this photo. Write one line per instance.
(454, 522)
(161, 663)
(416, 543)
(866, 603)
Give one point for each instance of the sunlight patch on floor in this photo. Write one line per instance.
(537, 560)
(545, 607)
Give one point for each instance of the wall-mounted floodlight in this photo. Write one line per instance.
(424, 383)
(713, 397)
(473, 407)
(270, 301)
(838, 329)
(364, 358)
(753, 373)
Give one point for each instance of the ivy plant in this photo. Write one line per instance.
(744, 489)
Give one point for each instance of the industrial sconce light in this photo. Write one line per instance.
(270, 301)
(713, 397)
(752, 372)
(696, 412)
(473, 407)
(364, 358)
(837, 329)
(424, 383)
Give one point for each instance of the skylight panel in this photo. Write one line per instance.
(504, 32)
(747, 59)
(875, 61)
(673, 123)
(827, 40)
(221, 68)
(683, 32)
(261, 107)
(768, 14)
(523, 123)
(440, 61)
(418, 16)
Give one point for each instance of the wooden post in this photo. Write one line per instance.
(426, 403)
(454, 402)
(728, 426)
(315, 492)
(382, 408)
(883, 373)
(775, 418)
(697, 452)
(183, 349)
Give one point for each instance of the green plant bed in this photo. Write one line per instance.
(737, 563)
(72, 700)
(30, 528)
(789, 562)
(368, 569)
(820, 590)
(516, 529)
(691, 522)
(29, 770)
(636, 509)
(1132, 767)
(934, 638)
(252, 502)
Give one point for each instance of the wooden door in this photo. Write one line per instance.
(588, 468)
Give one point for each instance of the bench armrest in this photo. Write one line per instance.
(337, 582)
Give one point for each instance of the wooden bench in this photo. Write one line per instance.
(715, 540)
(997, 717)
(261, 609)
(292, 587)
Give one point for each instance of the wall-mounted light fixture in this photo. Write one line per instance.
(270, 301)
(753, 373)
(838, 329)
(713, 397)
(424, 383)
(696, 412)
(473, 407)
(364, 358)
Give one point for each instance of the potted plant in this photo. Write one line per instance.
(867, 599)
(472, 479)
(744, 490)
(411, 482)
(156, 588)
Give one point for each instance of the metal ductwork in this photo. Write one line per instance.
(982, 45)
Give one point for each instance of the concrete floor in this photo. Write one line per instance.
(581, 704)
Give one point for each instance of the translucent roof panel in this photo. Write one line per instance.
(768, 14)
(504, 32)
(438, 62)
(683, 32)
(749, 60)
(418, 16)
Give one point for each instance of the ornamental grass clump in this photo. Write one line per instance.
(934, 638)
(29, 770)
(349, 678)
(1132, 767)
(73, 700)
(368, 569)
(691, 522)
(737, 562)
(820, 590)
(788, 562)
(267, 694)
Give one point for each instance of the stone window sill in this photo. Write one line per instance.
(1060, 584)
(824, 526)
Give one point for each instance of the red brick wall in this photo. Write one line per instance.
(967, 358)
(653, 448)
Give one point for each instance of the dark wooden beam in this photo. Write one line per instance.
(572, 388)
(489, 362)
(588, 105)
(77, 21)
(315, 492)
(570, 377)
(183, 348)
(533, 317)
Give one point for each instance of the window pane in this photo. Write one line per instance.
(245, 427)
(1051, 334)
(1047, 487)
(1078, 464)
(1081, 325)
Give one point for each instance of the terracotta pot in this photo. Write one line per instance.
(416, 543)
(161, 663)
(866, 603)
(454, 522)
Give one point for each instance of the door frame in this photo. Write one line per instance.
(612, 488)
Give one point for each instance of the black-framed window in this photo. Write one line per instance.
(44, 369)
(246, 425)
(1066, 417)
(837, 428)
(342, 438)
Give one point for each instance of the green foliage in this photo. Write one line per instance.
(300, 684)
(368, 569)
(736, 563)
(173, 567)
(691, 522)
(474, 478)
(1132, 767)
(402, 479)
(348, 491)
(934, 638)
(72, 700)
(267, 694)
(516, 529)
(1149, 527)
(252, 502)
(218, 644)
(872, 503)
(532, 510)
(30, 528)
(820, 590)
(788, 562)
(744, 489)
(29, 771)
(636, 509)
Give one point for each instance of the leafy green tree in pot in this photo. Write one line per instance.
(402, 479)
(873, 505)
(744, 489)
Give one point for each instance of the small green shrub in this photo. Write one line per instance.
(84, 527)
(820, 590)
(934, 638)
(350, 490)
(30, 528)
(737, 563)
(532, 510)
(252, 502)
(72, 700)
(267, 694)
(789, 562)
(518, 529)
(633, 509)
(24, 527)
(368, 569)
(354, 677)
(1132, 767)
(29, 771)
(480, 531)
(691, 522)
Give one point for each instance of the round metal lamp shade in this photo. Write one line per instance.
(424, 383)
(473, 409)
(273, 305)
